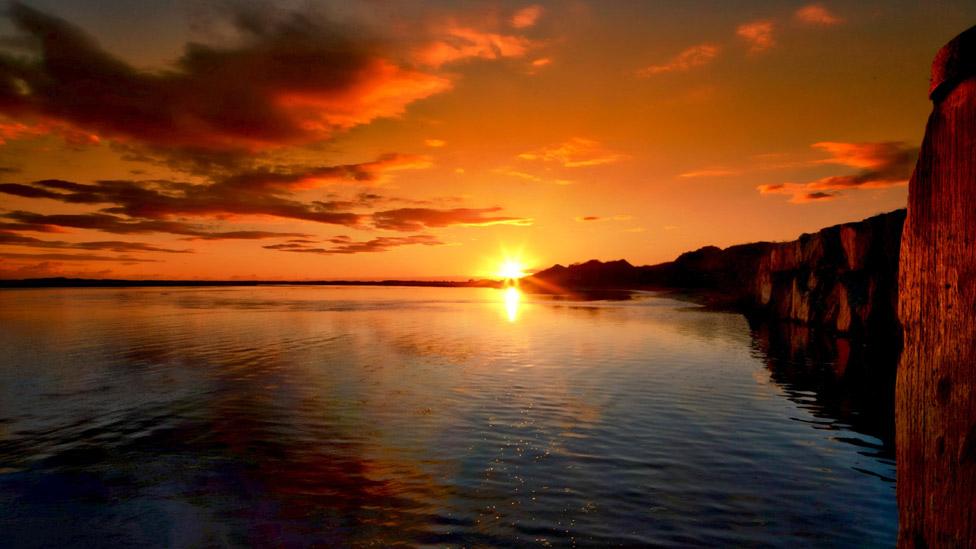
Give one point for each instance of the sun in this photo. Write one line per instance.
(511, 268)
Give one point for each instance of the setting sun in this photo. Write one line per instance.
(511, 268)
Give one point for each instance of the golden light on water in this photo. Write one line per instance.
(513, 297)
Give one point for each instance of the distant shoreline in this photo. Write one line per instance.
(121, 283)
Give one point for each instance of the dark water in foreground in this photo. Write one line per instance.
(356, 416)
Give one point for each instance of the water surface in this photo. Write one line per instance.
(292, 416)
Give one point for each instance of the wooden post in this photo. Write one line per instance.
(936, 387)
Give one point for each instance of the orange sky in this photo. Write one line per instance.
(315, 140)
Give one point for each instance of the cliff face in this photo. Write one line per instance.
(842, 278)
(936, 387)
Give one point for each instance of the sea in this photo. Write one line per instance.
(296, 416)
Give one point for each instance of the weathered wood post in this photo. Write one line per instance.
(936, 387)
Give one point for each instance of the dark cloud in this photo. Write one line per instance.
(277, 181)
(818, 195)
(416, 219)
(27, 191)
(240, 235)
(155, 201)
(345, 245)
(75, 257)
(8, 238)
(879, 165)
(882, 164)
(293, 78)
(32, 227)
(120, 225)
(263, 191)
(149, 206)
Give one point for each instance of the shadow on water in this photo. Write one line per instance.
(843, 382)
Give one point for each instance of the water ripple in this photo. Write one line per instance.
(374, 416)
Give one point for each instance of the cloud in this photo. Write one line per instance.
(529, 177)
(294, 78)
(518, 174)
(30, 221)
(693, 57)
(816, 14)
(8, 227)
(160, 200)
(302, 178)
(575, 153)
(75, 257)
(150, 206)
(541, 62)
(13, 239)
(435, 143)
(870, 156)
(758, 34)
(799, 193)
(527, 17)
(417, 219)
(586, 218)
(880, 165)
(710, 172)
(345, 245)
(460, 43)
(256, 192)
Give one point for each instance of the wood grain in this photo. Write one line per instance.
(936, 385)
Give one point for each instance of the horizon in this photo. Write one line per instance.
(494, 277)
(321, 141)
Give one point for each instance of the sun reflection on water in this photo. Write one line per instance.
(513, 297)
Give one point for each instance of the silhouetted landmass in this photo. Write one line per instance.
(841, 278)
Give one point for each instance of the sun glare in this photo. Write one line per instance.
(510, 269)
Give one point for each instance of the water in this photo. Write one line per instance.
(295, 416)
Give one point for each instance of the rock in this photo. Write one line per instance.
(936, 386)
(842, 278)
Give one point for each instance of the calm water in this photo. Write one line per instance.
(292, 416)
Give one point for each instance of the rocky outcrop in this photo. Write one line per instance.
(936, 387)
(842, 278)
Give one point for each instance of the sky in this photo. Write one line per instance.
(382, 139)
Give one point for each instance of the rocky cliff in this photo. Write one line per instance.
(842, 278)
(936, 389)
